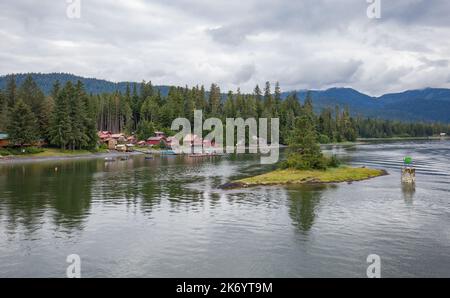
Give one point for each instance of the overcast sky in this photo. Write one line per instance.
(312, 44)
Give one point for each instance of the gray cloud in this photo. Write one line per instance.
(244, 74)
(303, 44)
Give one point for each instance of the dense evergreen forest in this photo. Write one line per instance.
(69, 118)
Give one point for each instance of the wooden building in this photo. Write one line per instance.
(4, 141)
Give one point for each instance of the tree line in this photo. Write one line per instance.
(69, 117)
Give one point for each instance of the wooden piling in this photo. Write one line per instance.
(408, 175)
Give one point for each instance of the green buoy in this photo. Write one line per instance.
(408, 160)
(408, 171)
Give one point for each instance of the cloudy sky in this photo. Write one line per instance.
(312, 44)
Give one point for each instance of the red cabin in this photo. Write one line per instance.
(157, 139)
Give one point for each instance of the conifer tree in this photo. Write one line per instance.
(228, 108)
(214, 101)
(240, 105)
(150, 109)
(135, 106)
(4, 112)
(22, 125)
(11, 91)
(277, 100)
(30, 94)
(258, 100)
(308, 106)
(145, 130)
(268, 102)
(304, 149)
(61, 129)
(45, 115)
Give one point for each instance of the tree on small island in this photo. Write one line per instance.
(304, 148)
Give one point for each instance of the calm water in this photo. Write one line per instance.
(166, 218)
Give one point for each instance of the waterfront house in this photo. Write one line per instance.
(119, 137)
(112, 143)
(104, 136)
(131, 140)
(157, 139)
(4, 140)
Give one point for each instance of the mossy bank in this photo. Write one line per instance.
(292, 176)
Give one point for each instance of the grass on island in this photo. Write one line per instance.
(331, 175)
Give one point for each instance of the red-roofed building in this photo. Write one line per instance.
(132, 140)
(4, 139)
(157, 139)
(104, 135)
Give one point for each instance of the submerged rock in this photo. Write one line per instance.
(232, 185)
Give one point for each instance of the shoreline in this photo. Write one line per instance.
(404, 139)
(14, 159)
(29, 159)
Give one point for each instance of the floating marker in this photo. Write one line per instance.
(408, 171)
(407, 160)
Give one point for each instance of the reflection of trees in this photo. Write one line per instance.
(151, 195)
(28, 191)
(70, 192)
(143, 184)
(303, 202)
(63, 191)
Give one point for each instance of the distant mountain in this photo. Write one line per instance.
(429, 105)
(357, 102)
(94, 86)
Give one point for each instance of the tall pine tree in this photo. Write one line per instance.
(61, 129)
(22, 125)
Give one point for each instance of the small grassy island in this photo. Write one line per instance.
(305, 162)
(293, 176)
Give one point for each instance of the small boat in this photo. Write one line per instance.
(124, 157)
(149, 157)
(110, 159)
(168, 152)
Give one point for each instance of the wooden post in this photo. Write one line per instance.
(408, 175)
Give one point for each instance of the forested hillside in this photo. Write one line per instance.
(429, 105)
(91, 85)
(69, 117)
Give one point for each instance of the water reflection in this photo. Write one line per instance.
(303, 203)
(28, 191)
(166, 217)
(408, 190)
